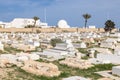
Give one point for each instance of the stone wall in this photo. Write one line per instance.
(51, 30)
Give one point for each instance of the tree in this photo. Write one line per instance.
(35, 19)
(54, 41)
(109, 26)
(86, 17)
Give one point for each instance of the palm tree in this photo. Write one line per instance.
(86, 17)
(35, 20)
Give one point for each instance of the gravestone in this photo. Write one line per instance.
(36, 44)
(116, 70)
(83, 45)
(92, 52)
(1, 46)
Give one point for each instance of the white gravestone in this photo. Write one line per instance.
(1, 46)
(83, 45)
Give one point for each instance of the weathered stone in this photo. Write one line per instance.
(39, 68)
(23, 58)
(34, 56)
(116, 70)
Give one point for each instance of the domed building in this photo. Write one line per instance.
(62, 24)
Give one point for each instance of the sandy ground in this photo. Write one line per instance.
(5, 73)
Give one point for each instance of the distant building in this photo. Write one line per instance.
(2, 25)
(22, 22)
(91, 27)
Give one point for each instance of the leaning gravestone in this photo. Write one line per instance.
(92, 52)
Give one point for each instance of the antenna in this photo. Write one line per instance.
(45, 14)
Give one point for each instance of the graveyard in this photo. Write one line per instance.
(59, 40)
(32, 56)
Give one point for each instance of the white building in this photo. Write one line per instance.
(63, 24)
(22, 22)
(2, 24)
(92, 26)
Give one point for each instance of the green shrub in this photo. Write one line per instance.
(54, 41)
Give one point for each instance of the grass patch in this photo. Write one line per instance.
(66, 71)
(83, 50)
(9, 49)
(90, 72)
(85, 57)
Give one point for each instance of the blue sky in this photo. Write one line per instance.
(69, 10)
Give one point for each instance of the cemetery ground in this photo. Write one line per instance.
(16, 73)
(8, 49)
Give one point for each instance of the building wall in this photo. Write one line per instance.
(1, 26)
(22, 22)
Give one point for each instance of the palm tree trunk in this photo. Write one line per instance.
(33, 26)
(85, 23)
(77, 30)
(55, 29)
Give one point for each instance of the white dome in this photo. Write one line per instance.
(1, 22)
(63, 24)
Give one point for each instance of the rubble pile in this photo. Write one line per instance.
(40, 68)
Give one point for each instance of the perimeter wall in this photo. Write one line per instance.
(52, 30)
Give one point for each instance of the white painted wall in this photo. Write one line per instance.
(22, 22)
